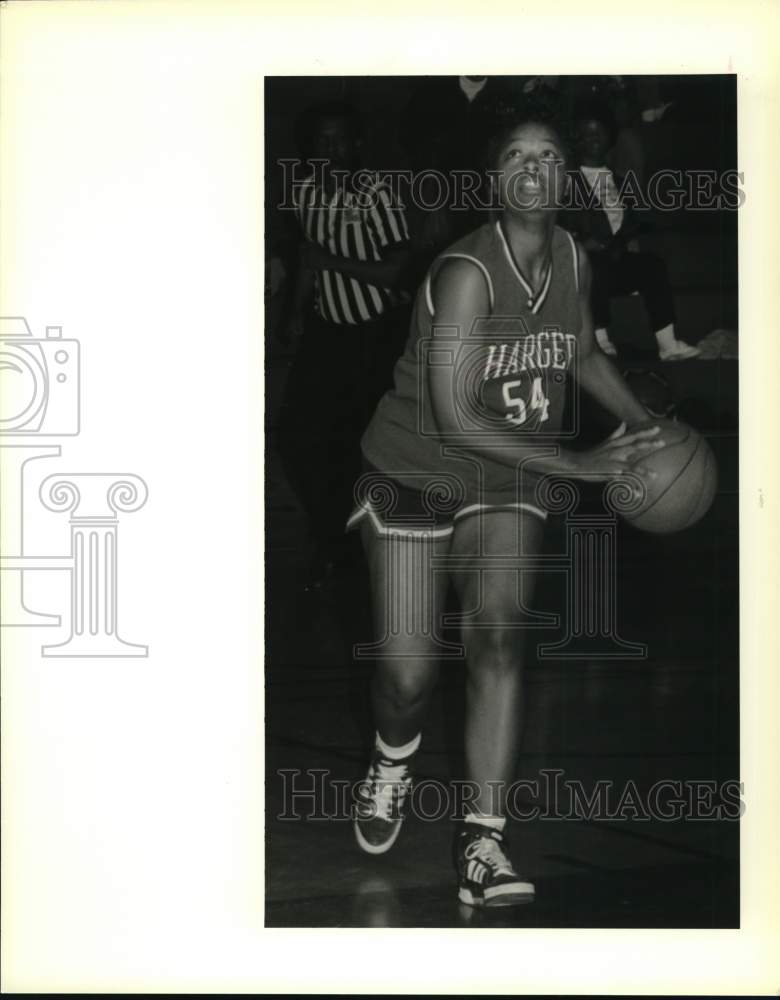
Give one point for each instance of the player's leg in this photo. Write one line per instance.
(491, 597)
(494, 640)
(406, 598)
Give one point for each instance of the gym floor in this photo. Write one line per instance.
(673, 716)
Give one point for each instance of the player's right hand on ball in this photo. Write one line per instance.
(620, 453)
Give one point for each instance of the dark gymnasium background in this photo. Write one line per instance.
(672, 716)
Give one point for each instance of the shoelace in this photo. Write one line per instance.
(489, 851)
(388, 782)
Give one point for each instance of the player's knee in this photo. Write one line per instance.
(405, 689)
(495, 651)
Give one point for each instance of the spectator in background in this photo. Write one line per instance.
(634, 102)
(629, 152)
(448, 119)
(349, 322)
(650, 98)
(444, 128)
(608, 231)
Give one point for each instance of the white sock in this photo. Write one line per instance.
(666, 337)
(494, 822)
(397, 753)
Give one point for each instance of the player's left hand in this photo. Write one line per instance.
(631, 446)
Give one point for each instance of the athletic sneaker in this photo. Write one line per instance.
(485, 873)
(380, 801)
(679, 352)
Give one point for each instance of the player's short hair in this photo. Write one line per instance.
(311, 118)
(528, 114)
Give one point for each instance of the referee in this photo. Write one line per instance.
(349, 321)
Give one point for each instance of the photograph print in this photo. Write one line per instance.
(502, 498)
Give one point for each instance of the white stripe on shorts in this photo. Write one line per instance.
(442, 532)
(397, 530)
(476, 508)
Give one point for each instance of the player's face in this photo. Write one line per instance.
(531, 170)
(333, 140)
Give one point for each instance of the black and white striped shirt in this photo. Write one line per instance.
(359, 225)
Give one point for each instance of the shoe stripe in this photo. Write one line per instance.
(477, 870)
(510, 888)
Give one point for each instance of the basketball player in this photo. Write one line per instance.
(524, 283)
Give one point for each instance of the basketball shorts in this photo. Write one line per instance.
(433, 509)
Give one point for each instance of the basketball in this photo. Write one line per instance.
(684, 487)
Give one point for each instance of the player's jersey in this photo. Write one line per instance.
(508, 372)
